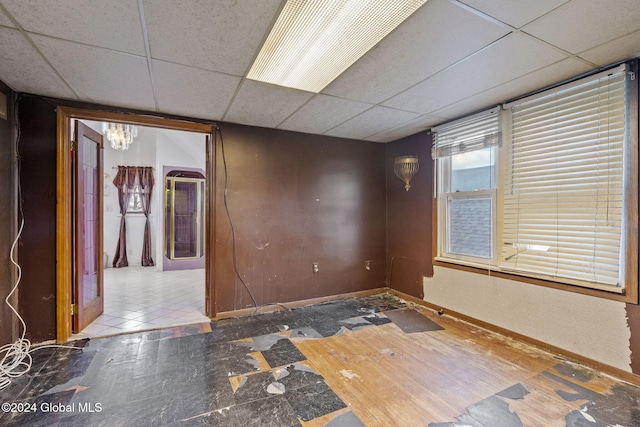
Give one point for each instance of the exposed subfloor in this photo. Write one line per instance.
(373, 361)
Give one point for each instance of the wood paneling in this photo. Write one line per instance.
(7, 219)
(409, 217)
(37, 298)
(633, 316)
(295, 199)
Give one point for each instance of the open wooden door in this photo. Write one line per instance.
(88, 302)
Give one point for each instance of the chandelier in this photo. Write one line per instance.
(120, 136)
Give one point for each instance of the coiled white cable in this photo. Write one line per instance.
(16, 358)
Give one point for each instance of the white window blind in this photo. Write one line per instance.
(562, 208)
(468, 134)
(466, 152)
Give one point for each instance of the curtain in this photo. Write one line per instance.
(146, 181)
(124, 181)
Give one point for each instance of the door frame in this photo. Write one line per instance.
(64, 223)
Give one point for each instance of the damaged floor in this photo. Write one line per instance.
(372, 361)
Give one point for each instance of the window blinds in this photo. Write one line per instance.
(563, 184)
(471, 133)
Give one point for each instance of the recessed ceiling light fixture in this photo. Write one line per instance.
(314, 41)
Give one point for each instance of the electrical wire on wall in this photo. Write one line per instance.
(233, 231)
(15, 358)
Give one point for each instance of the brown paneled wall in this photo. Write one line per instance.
(37, 248)
(409, 217)
(295, 199)
(7, 218)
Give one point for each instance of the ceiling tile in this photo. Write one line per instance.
(452, 57)
(221, 36)
(192, 91)
(581, 25)
(515, 13)
(422, 46)
(113, 24)
(262, 104)
(371, 122)
(322, 113)
(24, 69)
(4, 21)
(539, 79)
(620, 49)
(100, 75)
(508, 58)
(412, 127)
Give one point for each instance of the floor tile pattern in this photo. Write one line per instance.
(233, 372)
(142, 298)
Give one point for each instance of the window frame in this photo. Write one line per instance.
(628, 254)
(444, 190)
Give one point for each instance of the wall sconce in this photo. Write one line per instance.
(405, 168)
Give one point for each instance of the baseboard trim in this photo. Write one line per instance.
(556, 351)
(295, 304)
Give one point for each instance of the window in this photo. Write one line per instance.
(467, 150)
(564, 205)
(135, 200)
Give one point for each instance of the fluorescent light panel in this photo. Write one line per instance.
(314, 41)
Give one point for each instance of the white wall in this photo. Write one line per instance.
(590, 326)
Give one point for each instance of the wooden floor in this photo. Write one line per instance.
(455, 376)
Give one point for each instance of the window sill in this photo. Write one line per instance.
(626, 296)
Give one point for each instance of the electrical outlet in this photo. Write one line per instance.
(367, 265)
(315, 267)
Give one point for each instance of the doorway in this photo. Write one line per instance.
(184, 192)
(134, 278)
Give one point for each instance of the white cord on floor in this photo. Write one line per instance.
(16, 359)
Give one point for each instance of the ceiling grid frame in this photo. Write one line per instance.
(178, 35)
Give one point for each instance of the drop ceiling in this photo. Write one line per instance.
(190, 58)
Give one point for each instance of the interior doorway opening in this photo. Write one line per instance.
(148, 292)
(138, 294)
(184, 192)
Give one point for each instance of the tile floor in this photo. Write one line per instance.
(238, 372)
(141, 298)
(346, 363)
